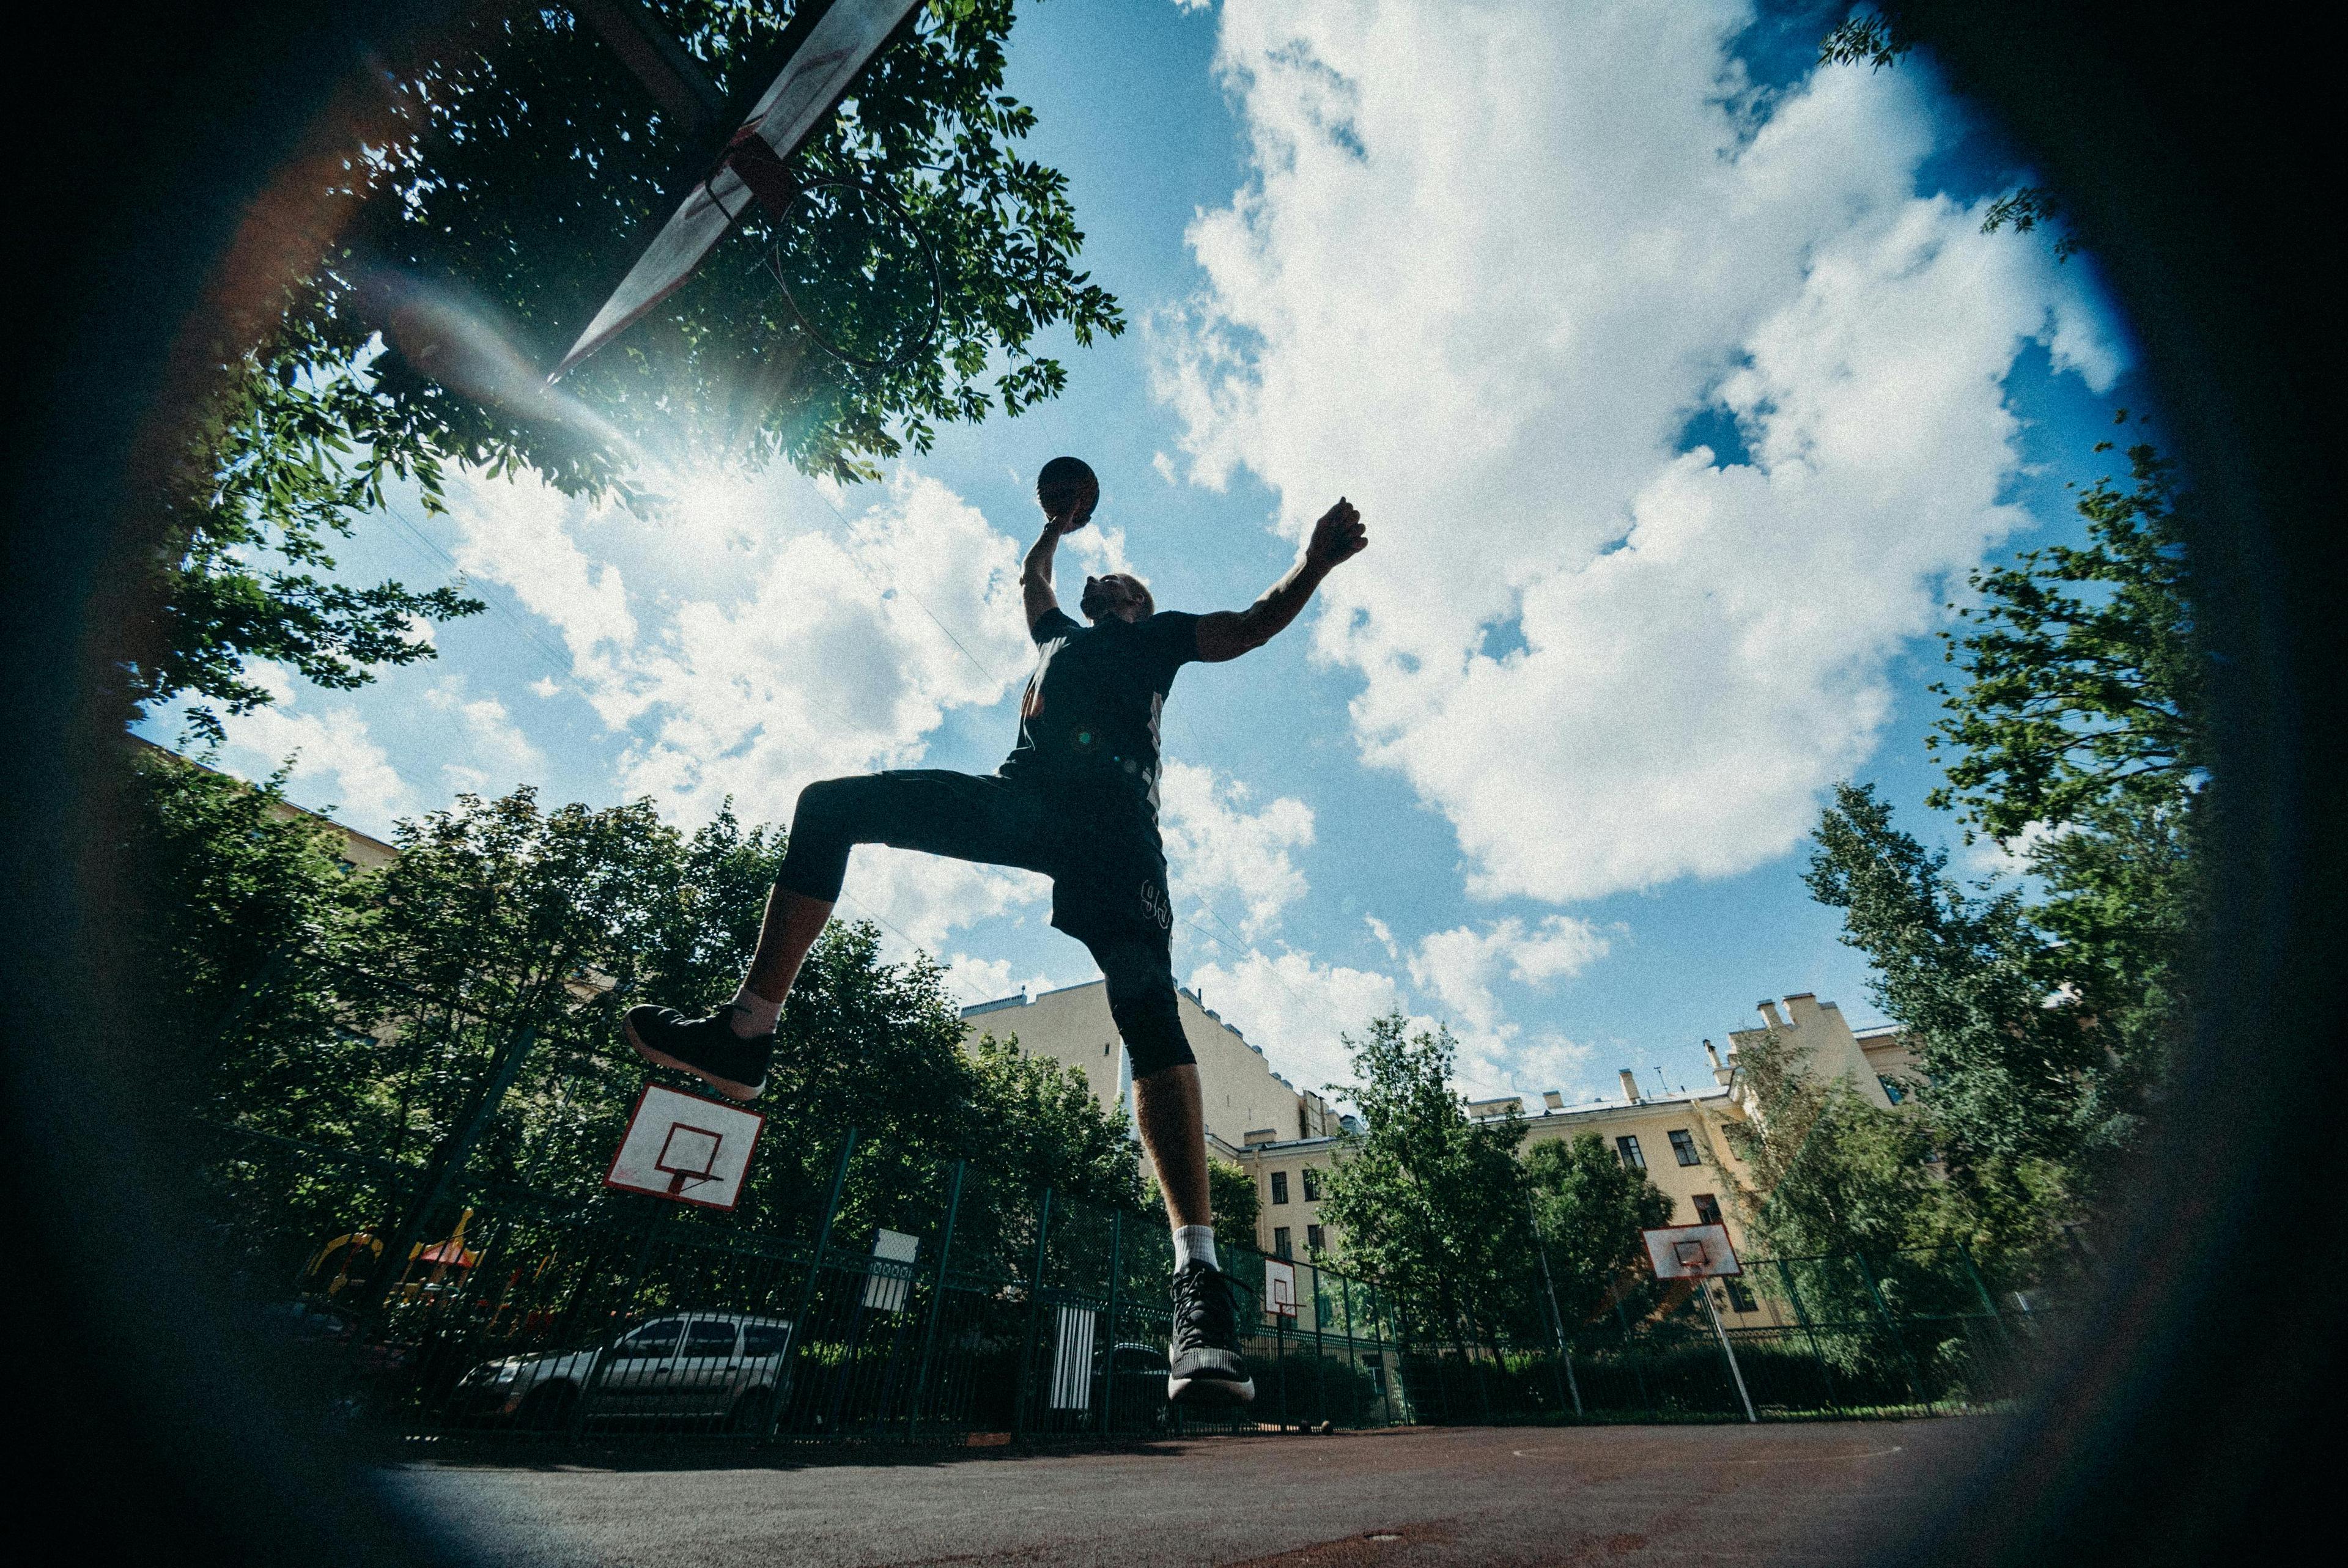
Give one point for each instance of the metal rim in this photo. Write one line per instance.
(928, 331)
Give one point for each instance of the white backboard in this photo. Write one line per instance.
(1279, 1287)
(827, 62)
(1692, 1252)
(885, 1287)
(686, 1148)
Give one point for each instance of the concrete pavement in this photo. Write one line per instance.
(1592, 1495)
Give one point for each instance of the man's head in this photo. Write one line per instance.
(1118, 594)
(1068, 490)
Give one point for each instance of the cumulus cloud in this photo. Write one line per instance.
(751, 639)
(337, 767)
(1298, 1010)
(1609, 661)
(501, 757)
(1215, 844)
(1460, 966)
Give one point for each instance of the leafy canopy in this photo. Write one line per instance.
(1425, 1200)
(1591, 1208)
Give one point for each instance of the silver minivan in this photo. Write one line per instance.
(716, 1366)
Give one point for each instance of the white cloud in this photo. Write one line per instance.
(501, 757)
(339, 769)
(1610, 664)
(1214, 845)
(1460, 966)
(974, 981)
(1298, 1010)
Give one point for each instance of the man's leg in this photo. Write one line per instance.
(1174, 1131)
(1206, 1365)
(963, 816)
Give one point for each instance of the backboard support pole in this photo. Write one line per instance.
(1704, 1288)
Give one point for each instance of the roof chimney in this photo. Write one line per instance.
(1630, 1085)
(1769, 1011)
(1552, 1101)
(1712, 1056)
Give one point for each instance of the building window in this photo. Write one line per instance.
(1280, 1188)
(1683, 1147)
(1891, 1089)
(1312, 1238)
(1626, 1148)
(1279, 1242)
(1707, 1209)
(1739, 1299)
(1104, 1045)
(1312, 1185)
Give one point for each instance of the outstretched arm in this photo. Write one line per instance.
(1336, 538)
(1062, 514)
(1035, 576)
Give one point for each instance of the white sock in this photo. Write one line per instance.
(1194, 1242)
(752, 1014)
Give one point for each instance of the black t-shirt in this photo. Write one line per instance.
(1089, 724)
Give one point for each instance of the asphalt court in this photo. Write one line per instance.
(1592, 1495)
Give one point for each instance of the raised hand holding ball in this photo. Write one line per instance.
(1067, 491)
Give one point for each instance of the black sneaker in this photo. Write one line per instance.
(1205, 1351)
(708, 1048)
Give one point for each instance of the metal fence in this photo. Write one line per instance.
(431, 1305)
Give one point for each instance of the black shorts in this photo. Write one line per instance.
(1107, 865)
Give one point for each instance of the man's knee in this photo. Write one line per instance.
(823, 830)
(1141, 1000)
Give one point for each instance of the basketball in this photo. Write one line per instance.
(1068, 482)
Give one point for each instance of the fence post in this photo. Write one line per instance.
(1915, 1382)
(653, 1224)
(1321, 1353)
(786, 1374)
(1556, 1318)
(1116, 1291)
(1638, 1367)
(446, 1164)
(1801, 1315)
(1034, 1306)
(937, 1301)
(1388, 1376)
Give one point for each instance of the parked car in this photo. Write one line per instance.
(708, 1366)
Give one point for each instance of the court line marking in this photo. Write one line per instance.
(1780, 1458)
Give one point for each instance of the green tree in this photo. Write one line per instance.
(252, 915)
(1234, 1200)
(1831, 1172)
(1590, 1208)
(2079, 734)
(1427, 1202)
(493, 186)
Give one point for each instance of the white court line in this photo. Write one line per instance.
(1783, 1459)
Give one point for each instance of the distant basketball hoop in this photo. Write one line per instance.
(685, 1149)
(1279, 1287)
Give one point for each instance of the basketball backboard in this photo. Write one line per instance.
(686, 1148)
(1279, 1287)
(1692, 1252)
(815, 77)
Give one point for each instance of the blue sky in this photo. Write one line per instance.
(1677, 389)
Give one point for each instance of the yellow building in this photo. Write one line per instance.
(1286, 1139)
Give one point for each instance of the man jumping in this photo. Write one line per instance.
(1076, 800)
